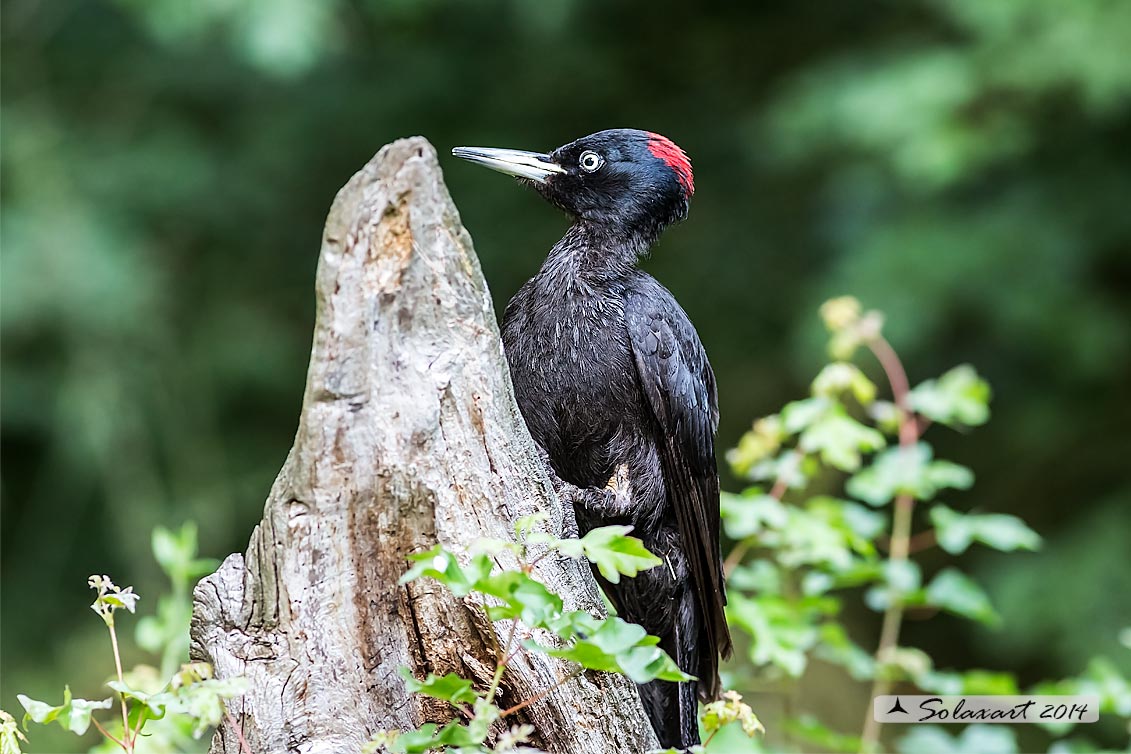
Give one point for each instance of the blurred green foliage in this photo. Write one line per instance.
(165, 167)
(804, 557)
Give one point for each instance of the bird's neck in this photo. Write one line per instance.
(595, 253)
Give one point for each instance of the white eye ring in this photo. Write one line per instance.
(590, 161)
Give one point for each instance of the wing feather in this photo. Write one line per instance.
(680, 387)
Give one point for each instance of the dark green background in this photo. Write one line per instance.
(962, 165)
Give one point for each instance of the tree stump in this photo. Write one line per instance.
(409, 435)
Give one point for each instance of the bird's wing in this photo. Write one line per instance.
(680, 388)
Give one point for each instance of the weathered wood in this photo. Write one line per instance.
(409, 435)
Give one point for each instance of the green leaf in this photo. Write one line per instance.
(843, 377)
(839, 439)
(72, 714)
(523, 597)
(782, 631)
(615, 553)
(153, 703)
(957, 531)
(485, 715)
(981, 682)
(799, 415)
(957, 593)
(812, 731)
(1102, 679)
(615, 646)
(441, 565)
(958, 398)
(751, 513)
(204, 700)
(907, 471)
(755, 446)
(524, 525)
(901, 580)
(759, 575)
(791, 467)
(450, 687)
(429, 738)
(975, 739)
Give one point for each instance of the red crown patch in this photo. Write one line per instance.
(675, 158)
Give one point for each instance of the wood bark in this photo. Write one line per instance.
(409, 436)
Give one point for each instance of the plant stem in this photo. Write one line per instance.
(108, 734)
(900, 389)
(504, 658)
(735, 556)
(244, 747)
(542, 694)
(128, 744)
(900, 534)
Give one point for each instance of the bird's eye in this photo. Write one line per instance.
(590, 161)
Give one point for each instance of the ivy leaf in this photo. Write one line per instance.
(751, 513)
(615, 646)
(907, 471)
(429, 737)
(782, 631)
(152, 704)
(791, 467)
(524, 525)
(901, 580)
(839, 439)
(798, 415)
(957, 593)
(72, 714)
(176, 553)
(762, 441)
(203, 701)
(843, 377)
(613, 552)
(441, 565)
(958, 398)
(523, 597)
(957, 531)
(450, 687)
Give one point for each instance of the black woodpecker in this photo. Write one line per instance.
(615, 387)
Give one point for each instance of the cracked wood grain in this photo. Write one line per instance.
(408, 436)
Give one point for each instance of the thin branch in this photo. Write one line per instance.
(900, 389)
(900, 543)
(129, 744)
(543, 694)
(502, 663)
(244, 747)
(108, 734)
(924, 540)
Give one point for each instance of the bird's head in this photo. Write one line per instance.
(623, 180)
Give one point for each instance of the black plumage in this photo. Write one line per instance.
(615, 386)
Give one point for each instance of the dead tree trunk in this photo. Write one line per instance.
(409, 435)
